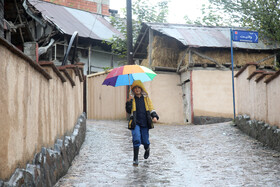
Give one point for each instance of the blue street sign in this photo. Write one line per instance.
(245, 36)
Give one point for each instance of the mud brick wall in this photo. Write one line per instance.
(39, 104)
(257, 94)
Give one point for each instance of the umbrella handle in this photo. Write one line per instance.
(129, 84)
(129, 90)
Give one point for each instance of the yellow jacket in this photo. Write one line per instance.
(131, 107)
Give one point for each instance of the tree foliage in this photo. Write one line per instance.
(211, 15)
(260, 15)
(142, 11)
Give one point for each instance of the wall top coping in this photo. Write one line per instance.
(51, 64)
(81, 75)
(63, 69)
(275, 75)
(76, 67)
(70, 66)
(20, 54)
(255, 73)
(263, 75)
(99, 73)
(244, 67)
(80, 64)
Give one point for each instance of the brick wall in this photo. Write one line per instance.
(105, 9)
(94, 6)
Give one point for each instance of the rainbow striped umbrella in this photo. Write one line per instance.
(125, 75)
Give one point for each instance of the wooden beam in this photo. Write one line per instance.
(266, 58)
(20, 20)
(190, 57)
(159, 68)
(206, 57)
(151, 39)
(189, 64)
(184, 68)
(275, 60)
(142, 53)
(89, 61)
(178, 68)
(140, 42)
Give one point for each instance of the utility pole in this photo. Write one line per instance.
(129, 32)
(129, 40)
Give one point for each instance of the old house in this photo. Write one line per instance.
(2, 18)
(201, 56)
(49, 27)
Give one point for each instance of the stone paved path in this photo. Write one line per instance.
(193, 155)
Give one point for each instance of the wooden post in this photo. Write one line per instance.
(178, 67)
(55, 48)
(89, 57)
(85, 95)
(112, 59)
(190, 56)
(151, 39)
(275, 60)
(2, 18)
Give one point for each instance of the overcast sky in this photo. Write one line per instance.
(177, 9)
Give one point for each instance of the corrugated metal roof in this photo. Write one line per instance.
(203, 36)
(69, 20)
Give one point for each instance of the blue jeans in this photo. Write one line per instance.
(140, 135)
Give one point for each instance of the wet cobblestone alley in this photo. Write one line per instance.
(190, 155)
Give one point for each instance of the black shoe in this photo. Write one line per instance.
(147, 153)
(135, 157)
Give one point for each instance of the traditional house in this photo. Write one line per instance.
(201, 56)
(49, 27)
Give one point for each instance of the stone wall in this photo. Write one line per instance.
(50, 164)
(264, 132)
(202, 120)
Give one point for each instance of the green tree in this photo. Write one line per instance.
(188, 20)
(142, 11)
(211, 15)
(260, 15)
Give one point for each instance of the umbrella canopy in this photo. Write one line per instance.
(125, 75)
